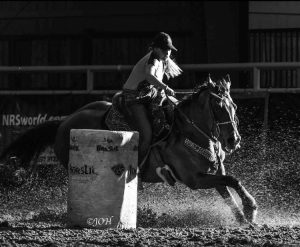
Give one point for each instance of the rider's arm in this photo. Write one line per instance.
(152, 79)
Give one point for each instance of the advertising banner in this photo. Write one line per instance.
(22, 112)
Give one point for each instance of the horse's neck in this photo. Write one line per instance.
(199, 113)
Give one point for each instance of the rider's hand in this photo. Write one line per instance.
(170, 91)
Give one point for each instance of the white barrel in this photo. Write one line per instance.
(102, 191)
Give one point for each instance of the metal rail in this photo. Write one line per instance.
(255, 68)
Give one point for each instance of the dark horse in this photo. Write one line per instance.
(204, 128)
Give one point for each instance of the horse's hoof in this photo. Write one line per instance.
(250, 214)
(253, 225)
(241, 219)
(250, 225)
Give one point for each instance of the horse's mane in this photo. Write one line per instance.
(196, 92)
(218, 88)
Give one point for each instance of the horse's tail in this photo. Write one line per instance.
(31, 143)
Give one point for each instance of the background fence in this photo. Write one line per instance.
(276, 45)
(196, 72)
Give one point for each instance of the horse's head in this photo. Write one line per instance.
(212, 113)
(224, 114)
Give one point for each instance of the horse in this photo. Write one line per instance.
(204, 129)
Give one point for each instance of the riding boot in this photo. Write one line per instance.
(140, 183)
(141, 161)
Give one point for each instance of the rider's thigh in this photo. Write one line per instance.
(141, 121)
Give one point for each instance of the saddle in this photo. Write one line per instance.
(162, 116)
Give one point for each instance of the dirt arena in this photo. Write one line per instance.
(178, 216)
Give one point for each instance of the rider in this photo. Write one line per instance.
(143, 86)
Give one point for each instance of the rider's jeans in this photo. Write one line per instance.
(140, 120)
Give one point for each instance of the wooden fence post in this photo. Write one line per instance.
(90, 80)
(256, 78)
(265, 124)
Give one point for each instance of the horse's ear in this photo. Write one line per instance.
(228, 81)
(210, 81)
(223, 86)
(228, 78)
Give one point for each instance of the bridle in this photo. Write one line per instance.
(195, 126)
(233, 122)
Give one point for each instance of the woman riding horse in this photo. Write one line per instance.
(204, 128)
(143, 86)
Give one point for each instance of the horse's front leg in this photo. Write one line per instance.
(221, 181)
(230, 201)
(249, 203)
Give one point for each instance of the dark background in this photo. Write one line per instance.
(42, 33)
(116, 32)
(35, 33)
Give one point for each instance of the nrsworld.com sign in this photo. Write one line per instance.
(19, 120)
(18, 114)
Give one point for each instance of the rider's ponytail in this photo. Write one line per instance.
(172, 69)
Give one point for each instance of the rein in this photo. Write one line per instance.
(210, 156)
(188, 120)
(206, 153)
(191, 122)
